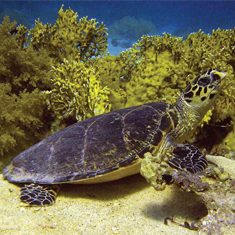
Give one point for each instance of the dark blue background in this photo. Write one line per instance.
(176, 17)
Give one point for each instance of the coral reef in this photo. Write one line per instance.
(69, 37)
(215, 186)
(76, 92)
(28, 113)
(110, 69)
(217, 191)
(153, 170)
(24, 74)
(156, 68)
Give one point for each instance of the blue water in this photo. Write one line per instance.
(179, 18)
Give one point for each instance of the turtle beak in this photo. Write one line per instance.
(222, 74)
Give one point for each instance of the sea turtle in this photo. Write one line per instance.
(112, 146)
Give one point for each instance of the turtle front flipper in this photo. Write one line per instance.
(39, 195)
(188, 157)
(158, 169)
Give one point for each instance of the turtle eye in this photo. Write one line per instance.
(215, 77)
(204, 81)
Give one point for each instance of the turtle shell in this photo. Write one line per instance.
(95, 147)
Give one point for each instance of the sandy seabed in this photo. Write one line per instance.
(126, 206)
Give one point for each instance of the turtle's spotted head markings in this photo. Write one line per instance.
(196, 100)
(192, 105)
(203, 90)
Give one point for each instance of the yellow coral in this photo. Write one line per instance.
(77, 92)
(147, 82)
(24, 75)
(156, 68)
(70, 38)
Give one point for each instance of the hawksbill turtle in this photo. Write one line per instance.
(112, 146)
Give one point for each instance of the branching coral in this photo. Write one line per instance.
(70, 38)
(27, 57)
(156, 68)
(76, 92)
(110, 73)
(21, 118)
(24, 74)
(149, 80)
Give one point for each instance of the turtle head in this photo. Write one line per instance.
(203, 91)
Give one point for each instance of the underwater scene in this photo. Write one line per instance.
(117, 117)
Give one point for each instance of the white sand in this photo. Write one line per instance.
(126, 206)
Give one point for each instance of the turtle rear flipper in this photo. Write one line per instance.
(39, 195)
(188, 157)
